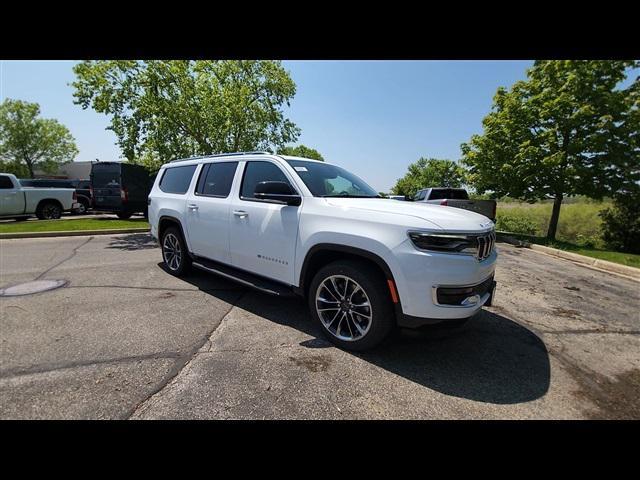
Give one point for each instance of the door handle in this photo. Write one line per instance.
(240, 213)
(192, 206)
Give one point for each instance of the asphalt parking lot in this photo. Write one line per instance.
(124, 339)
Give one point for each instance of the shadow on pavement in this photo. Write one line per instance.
(491, 359)
(134, 241)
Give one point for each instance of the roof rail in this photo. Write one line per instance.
(220, 155)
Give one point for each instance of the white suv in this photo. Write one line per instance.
(289, 225)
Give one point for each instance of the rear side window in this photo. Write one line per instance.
(5, 182)
(177, 179)
(216, 179)
(420, 195)
(256, 172)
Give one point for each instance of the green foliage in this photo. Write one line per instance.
(515, 224)
(580, 222)
(28, 143)
(429, 172)
(621, 224)
(301, 151)
(567, 130)
(166, 109)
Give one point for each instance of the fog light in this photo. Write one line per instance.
(472, 300)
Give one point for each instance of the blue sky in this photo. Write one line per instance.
(372, 117)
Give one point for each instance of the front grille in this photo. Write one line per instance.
(455, 295)
(486, 244)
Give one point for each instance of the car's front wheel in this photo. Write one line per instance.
(351, 303)
(174, 252)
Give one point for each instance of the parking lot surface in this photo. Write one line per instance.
(124, 339)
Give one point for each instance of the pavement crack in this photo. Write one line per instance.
(19, 372)
(181, 363)
(73, 254)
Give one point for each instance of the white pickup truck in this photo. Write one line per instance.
(20, 202)
(289, 225)
(458, 198)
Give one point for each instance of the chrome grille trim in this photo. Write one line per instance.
(486, 244)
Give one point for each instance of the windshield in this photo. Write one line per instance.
(326, 180)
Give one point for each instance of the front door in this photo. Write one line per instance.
(263, 233)
(208, 211)
(12, 198)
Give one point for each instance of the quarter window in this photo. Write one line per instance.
(216, 179)
(256, 172)
(177, 179)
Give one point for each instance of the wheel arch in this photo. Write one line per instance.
(166, 221)
(49, 200)
(322, 253)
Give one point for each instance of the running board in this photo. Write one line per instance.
(245, 278)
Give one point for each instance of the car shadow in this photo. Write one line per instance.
(492, 359)
(133, 241)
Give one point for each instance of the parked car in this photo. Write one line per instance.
(397, 197)
(82, 188)
(120, 188)
(288, 225)
(20, 202)
(458, 198)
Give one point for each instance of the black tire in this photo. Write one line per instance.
(124, 215)
(172, 236)
(21, 219)
(83, 208)
(382, 318)
(49, 211)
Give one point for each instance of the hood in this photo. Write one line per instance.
(446, 218)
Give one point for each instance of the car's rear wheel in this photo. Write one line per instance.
(174, 252)
(48, 211)
(351, 303)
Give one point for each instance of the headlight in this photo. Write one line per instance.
(445, 243)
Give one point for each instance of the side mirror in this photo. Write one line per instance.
(280, 192)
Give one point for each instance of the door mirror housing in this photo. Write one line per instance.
(280, 192)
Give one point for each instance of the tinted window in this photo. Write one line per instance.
(177, 179)
(105, 175)
(450, 193)
(5, 182)
(256, 172)
(216, 179)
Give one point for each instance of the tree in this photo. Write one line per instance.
(301, 151)
(163, 110)
(429, 172)
(569, 129)
(28, 143)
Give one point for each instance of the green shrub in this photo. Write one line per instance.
(515, 224)
(621, 224)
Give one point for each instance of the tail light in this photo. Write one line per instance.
(75, 196)
(93, 203)
(443, 202)
(124, 195)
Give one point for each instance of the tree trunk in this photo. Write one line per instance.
(30, 167)
(555, 215)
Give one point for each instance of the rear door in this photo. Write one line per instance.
(207, 213)
(11, 196)
(106, 182)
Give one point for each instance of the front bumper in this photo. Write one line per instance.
(418, 274)
(411, 321)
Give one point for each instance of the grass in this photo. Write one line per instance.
(71, 224)
(629, 259)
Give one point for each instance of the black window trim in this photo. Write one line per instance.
(165, 172)
(204, 170)
(248, 199)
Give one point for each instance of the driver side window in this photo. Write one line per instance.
(256, 172)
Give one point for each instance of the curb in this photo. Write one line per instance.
(71, 233)
(603, 265)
